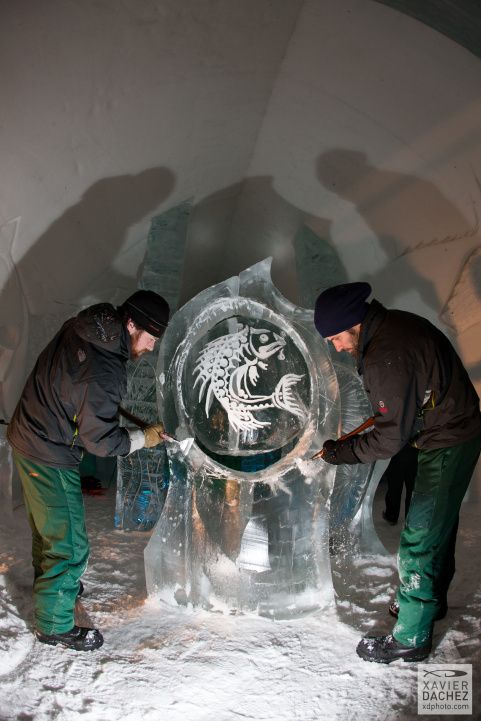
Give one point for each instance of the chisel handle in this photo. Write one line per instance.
(364, 426)
(141, 424)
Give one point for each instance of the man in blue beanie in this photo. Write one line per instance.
(70, 403)
(420, 394)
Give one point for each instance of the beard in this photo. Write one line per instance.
(136, 354)
(353, 351)
(137, 345)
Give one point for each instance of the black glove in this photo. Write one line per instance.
(336, 452)
(330, 454)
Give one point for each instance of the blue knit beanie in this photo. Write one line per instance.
(341, 307)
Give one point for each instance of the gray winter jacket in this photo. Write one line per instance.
(70, 401)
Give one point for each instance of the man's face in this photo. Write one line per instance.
(347, 341)
(140, 341)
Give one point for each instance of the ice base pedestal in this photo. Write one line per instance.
(246, 521)
(238, 545)
(142, 482)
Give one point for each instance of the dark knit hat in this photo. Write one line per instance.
(341, 307)
(148, 310)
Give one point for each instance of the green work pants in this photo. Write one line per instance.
(60, 548)
(426, 550)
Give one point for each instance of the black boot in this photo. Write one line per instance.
(394, 610)
(388, 519)
(384, 649)
(79, 638)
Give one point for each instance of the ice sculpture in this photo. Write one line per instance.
(245, 525)
(317, 263)
(143, 476)
(13, 354)
(350, 519)
(351, 480)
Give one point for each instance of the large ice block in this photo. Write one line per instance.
(14, 327)
(318, 268)
(318, 265)
(351, 480)
(246, 520)
(142, 477)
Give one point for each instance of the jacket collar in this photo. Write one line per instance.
(369, 327)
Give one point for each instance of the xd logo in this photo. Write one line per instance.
(445, 688)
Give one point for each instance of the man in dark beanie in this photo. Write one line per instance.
(420, 394)
(70, 404)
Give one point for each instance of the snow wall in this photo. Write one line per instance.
(344, 115)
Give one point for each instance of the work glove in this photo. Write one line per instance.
(153, 435)
(330, 453)
(336, 452)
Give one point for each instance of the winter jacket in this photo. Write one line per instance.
(71, 399)
(419, 390)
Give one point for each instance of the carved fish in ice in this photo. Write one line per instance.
(228, 369)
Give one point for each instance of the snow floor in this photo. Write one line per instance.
(160, 663)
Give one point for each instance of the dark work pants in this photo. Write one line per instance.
(60, 548)
(426, 550)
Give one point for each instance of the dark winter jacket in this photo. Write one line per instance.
(71, 399)
(417, 385)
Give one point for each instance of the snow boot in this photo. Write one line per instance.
(384, 649)
(394, 610)
(78, 638)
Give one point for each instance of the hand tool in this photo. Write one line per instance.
(184, 445)
(366, 424)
